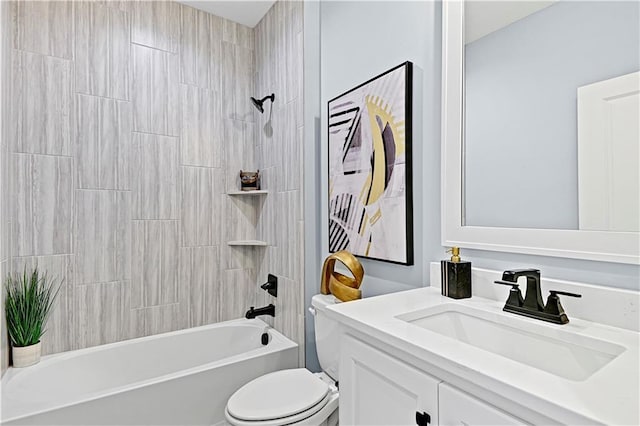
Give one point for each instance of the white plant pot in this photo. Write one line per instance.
(26, 355)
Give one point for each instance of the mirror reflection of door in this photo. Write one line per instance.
(526, 63)
(608, 152)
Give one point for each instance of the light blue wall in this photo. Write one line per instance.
(312, 154)
(345, 44)
(521, 118)
(359, 40)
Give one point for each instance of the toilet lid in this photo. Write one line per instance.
(279, 394)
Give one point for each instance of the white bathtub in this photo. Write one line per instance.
(178, 378)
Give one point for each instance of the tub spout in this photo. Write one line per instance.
(267, 310)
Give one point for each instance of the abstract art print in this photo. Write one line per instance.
(370, 196)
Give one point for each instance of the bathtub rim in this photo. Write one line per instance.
(283, 343)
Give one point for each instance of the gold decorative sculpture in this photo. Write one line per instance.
(341, 286)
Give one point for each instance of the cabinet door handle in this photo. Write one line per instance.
(423, 419)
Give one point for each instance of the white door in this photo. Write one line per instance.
(461, 409)
(378, 389)
(608, 154)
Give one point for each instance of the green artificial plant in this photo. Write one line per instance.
(28, 302)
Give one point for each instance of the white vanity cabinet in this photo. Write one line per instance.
(461, 409)
(378, 389)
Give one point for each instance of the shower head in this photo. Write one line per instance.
(259, 103)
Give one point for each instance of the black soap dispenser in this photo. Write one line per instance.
(456, 276)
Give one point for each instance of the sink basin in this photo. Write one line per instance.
(543, 346)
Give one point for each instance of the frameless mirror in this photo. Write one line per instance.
(541, 128)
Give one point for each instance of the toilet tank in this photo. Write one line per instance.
(327, 335)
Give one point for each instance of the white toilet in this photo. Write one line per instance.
(295, 396)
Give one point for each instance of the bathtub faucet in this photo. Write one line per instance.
(267, 310)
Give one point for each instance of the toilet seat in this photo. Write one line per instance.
(279, 398)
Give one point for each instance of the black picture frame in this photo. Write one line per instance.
(344, 117)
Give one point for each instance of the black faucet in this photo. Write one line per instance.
(533, 296)
(267, 310)
(271, 286)
(532, 304)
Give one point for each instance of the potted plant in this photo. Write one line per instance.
(28, 302)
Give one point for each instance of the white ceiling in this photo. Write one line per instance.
(484, 17)
(247, 13)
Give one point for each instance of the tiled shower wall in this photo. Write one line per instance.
(5, 59)
(131, 121)
(279, 142)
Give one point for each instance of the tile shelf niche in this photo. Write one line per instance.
(251, 243)
(248, 243)
(258, 192)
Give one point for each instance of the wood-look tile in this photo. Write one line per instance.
(137, 322)
(59, 269)
(215, 53)
(5, 205)
(43, 104)
(200, 271)
(272, 142)
(288, 242)
(124, 237)
(289, 309)
(202, 127)
(45, 27)
(264, 265)
(268, 218)
(240, 218)
(297, 15)
(102, 143)
(195, 46)
(123, 5)
(156, 24)
(154, 265)
(219, 200)
(302, 343)
(162, 319)
(155, 91)
(244, 87)
(238, 150)
(240, 257)
(297, 78)
(230, 31)
(238, 292)
(4, 342)
(298, 261)
(292, 146)
(42, 197)
(101, 236)
(228, 79)
(102, 51)
(245, 37)
(279, 51)
(200, 220)
(155, 176)
(102, 313)
(290, 58)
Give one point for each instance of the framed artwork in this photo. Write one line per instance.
(370, 193)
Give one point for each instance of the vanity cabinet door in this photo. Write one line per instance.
(377, 389)
(461, 409)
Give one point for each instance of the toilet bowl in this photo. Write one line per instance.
(294, 396)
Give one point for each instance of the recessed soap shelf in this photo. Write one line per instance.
(248, 243)
(258, 192)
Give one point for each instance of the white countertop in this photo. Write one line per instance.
(610, 396)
